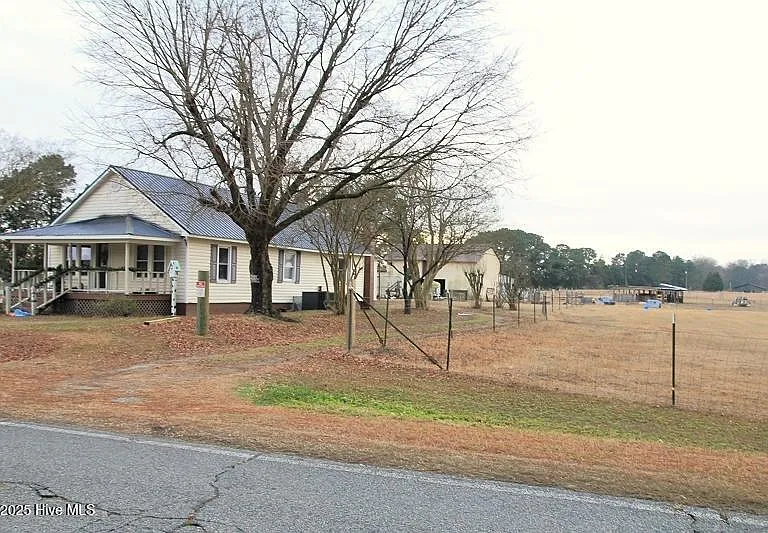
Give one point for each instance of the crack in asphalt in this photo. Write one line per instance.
(130, 516)
(716, 515)
(693, 521)
(46, 493)
(191, 519)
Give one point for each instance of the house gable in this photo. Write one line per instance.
(111, 194)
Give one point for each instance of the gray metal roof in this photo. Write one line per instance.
(179, 199)
(668, 287)
(114, 225)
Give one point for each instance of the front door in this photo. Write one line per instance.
(102, 262)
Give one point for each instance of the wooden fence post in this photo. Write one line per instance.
(350, 318)
(202, 287)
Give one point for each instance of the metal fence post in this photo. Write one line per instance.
(673, 358)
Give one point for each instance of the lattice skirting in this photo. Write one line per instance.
(114, 304)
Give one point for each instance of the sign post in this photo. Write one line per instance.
(202, 288)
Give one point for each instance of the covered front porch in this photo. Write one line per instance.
(92, 261)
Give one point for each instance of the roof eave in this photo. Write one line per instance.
(74, 239)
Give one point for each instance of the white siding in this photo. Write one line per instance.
(115, 196)
(55, 255)
(453, 273)
(200, 257)
(311, 277)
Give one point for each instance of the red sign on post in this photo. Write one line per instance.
(200, 286)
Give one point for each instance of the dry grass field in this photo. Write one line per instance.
(625, 352)
(579, 400)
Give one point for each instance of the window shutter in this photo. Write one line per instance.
(213, 273)
(298, 267)
(233, 263)
(280, 259)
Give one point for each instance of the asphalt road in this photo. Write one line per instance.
(61, 479)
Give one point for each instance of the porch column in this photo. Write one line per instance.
(69, 264)
(127, 250)
(63, 263)
(13, 262)
(79, 264)
(45, 272)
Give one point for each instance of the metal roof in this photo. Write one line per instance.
(179, 199)
(112, 225)
(668, 287)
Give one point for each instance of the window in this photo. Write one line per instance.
(85, 255)
(289, 265)
(142, 260)
(143, 264)
(158, 261)
(223, 265)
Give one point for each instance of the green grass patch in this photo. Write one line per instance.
(530, 409)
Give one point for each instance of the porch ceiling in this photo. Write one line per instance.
(111, 228)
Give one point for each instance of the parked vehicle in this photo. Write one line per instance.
(652, 304)
(741, 301)
(605, 300)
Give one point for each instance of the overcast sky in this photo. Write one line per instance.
(651, 117)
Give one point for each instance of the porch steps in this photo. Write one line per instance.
(34, 294)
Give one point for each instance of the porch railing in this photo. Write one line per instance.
(34, 289)
(115, 281)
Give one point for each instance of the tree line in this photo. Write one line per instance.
(36, 184)
(531, 262)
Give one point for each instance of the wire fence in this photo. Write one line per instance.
(622, 352)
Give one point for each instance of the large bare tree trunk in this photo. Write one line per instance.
(423, 294)
(260, 270)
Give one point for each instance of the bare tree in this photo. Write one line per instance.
(287, 106)
(475, 276)
(510, 291)
(429, 219)
(343, 231)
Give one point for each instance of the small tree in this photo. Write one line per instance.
(475, 277)
(342, 232)
(511, 291)
(428, 220)
(713, 282)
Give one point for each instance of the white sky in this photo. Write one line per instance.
(651, 117)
